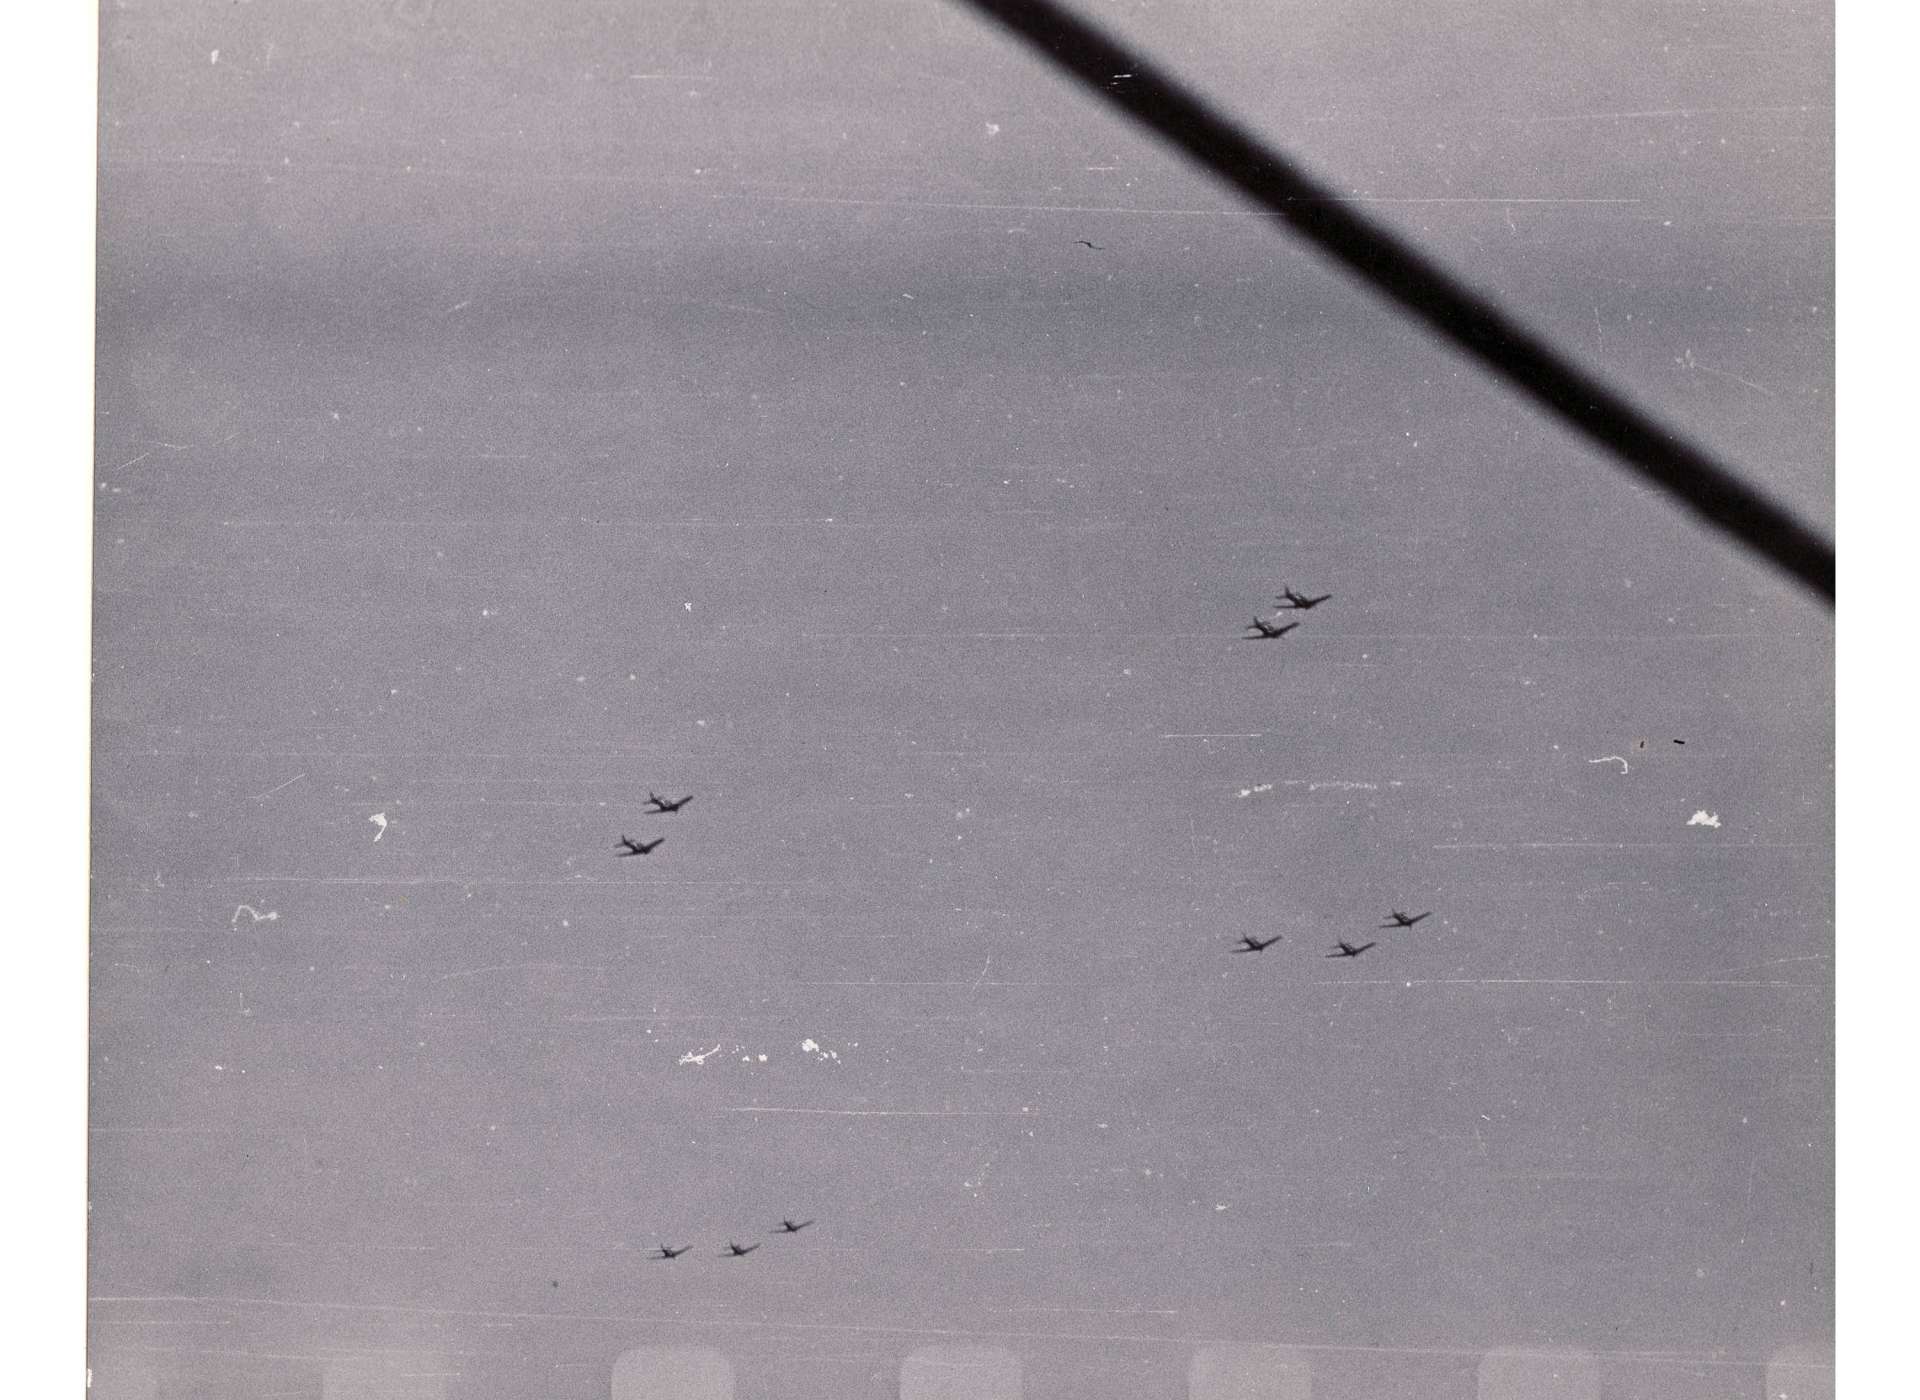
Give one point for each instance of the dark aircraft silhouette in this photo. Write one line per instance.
(1254, 945)
(1267, 632)
(638, 848)
(1398, 920)
(667, 1251)
(1347, 950)
(739, 1251)
(661, 805)
(1294, 601)
(793, 1227)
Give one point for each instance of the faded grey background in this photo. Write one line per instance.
(505, 410)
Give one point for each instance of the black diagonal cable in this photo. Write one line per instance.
(1421, 286)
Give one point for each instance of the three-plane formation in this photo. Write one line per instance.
(657, 806)
(1341, 949)
(733, 1250)
(1263, 630)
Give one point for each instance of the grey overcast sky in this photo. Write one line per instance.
(507, 410)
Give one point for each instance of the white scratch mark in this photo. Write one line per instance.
(692, 1059)
(1705, 818)
(1613, 758)
(894, 1112)
(254, 914)
(272, 790)
(1620, 845)
(1653, 112)
(517, 967)
(379, 819)
(1686, 361)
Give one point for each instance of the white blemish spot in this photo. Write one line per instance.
(819, 1052)
(214, 57)
(379, 819)
(1704, 818)
(1260, 787)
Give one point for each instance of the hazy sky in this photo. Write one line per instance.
(505, 411)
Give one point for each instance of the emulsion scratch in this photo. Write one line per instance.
(287, 784)
(690, 1058)
(518, 967)
(1645, 113)
(1686, 361)
(269, 917)
(1322, 785)
(892, 1112)
(1613, 758)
